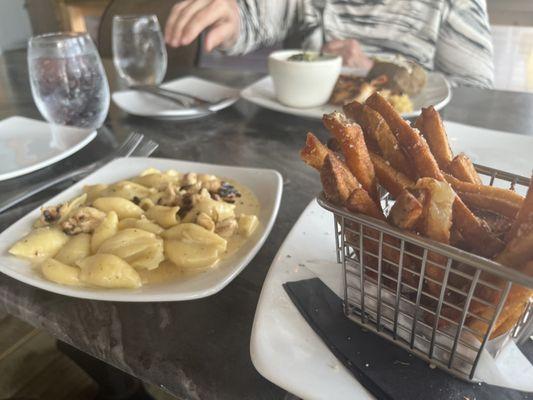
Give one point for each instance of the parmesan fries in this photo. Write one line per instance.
(437, 195)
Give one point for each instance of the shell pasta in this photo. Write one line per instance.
(117, 235)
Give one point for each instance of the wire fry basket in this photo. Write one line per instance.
(449, 322)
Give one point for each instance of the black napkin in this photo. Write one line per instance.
(385, 370)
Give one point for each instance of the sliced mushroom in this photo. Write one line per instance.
(227, 227)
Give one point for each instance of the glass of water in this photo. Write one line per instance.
(139, 51)
(68, 81)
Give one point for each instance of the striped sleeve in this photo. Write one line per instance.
(264, 23)
(464, 47)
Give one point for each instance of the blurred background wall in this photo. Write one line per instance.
(511, 20)
(15, 28)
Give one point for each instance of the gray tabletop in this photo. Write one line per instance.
(199, 349)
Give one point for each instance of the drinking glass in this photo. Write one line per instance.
(139, 51)
(68, 81)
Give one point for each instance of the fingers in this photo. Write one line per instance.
(184, 15)
(343, 47)
(220, 33)
(353, 56)
(203, 18)
(334, 46)
(350, 51)
(190, 17)
(171, 20)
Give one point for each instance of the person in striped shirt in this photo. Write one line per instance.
(450, 36)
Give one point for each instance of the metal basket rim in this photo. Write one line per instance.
(503, 174)
(483, 263)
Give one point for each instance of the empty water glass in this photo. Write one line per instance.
(67, 78)
(139, 51)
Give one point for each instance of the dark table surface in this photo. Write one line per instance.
(199, 349)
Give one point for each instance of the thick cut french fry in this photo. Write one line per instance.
(337, 180)
(357, 113)
(432, 129)
(502, 198)
(498, 224)
(379, 136)
(484, 202)
(354, 148)
(413, 144)
(371, 249)
(406, 211)
(457, 240)
(462, 168)
(513, 308)
(524, 215)
(519, 248)
(508, 323)
(361, 202)
(475, 233)
(314, 152)
(334, 145)
(518, 294)
(392, 180)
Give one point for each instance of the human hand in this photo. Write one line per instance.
(351, 52)
(189, 18)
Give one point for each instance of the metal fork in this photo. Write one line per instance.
(146, 148)
(174, 95)
(124, 150)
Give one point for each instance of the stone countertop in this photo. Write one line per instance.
(199, 349)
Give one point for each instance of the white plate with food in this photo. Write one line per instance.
(437, 93)
(148, 105)
(27, 145)
(145, 229)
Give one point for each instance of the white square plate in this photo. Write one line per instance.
(27, 145)
(265, 184)
(437, 93)
(148, 105)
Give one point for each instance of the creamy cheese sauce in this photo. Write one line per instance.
(246, 204)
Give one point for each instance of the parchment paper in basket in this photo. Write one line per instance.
(510, 368)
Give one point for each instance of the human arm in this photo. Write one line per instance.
(464, 46)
